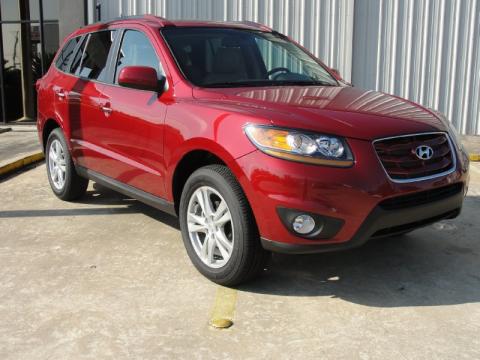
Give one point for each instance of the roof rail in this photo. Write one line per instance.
(253, 24)
(161, 20)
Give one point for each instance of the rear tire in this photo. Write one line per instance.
(66, 184)
(218, 227)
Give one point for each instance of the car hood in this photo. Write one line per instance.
(345, 111)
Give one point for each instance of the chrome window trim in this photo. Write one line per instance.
(429, 177)
(121, 30)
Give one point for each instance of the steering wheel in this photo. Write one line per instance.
(277, 69)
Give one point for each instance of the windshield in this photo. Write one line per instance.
(225, 57)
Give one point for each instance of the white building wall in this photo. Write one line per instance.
(425, 50)
(323, 26)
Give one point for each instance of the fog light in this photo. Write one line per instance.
(303, 224)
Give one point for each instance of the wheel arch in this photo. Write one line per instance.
(189, 163)
(49, 125)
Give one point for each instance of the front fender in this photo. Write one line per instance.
(191, 127)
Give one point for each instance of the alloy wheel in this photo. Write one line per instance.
(210, 226)
(57, 164)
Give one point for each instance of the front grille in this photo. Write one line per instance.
(401, 163)
(422, 197)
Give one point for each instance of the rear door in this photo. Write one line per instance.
(63, 81)
(133, 129)
(87, 102)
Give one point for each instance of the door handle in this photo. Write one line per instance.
(60, 94)
(107, 109)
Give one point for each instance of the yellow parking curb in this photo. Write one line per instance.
(18, 164)
(224, 308)
(474, 157)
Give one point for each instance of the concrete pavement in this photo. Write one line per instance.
(108, 278)
(19, 147)
(20, 142)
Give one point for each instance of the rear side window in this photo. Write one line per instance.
(94, 59)
(136, 50)
(66, 54)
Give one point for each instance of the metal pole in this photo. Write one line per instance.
(85, 12)
(99, 12)
(27, 73)
(42, 38)
(2, 85)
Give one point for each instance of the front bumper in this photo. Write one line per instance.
(381, 223)
(352, 195)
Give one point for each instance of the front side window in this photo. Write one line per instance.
(136, 50)
(66, 54)
(94, 59)
(226, 57)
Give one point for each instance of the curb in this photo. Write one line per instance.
(474, 157)
(21, 163)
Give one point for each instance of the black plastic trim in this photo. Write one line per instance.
(422, 197)
(140, 195)
(388, 222)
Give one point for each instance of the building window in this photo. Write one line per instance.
(29, 38)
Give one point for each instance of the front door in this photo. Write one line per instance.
(133, 128)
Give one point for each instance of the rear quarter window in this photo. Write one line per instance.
(66, 54)
(75, 67)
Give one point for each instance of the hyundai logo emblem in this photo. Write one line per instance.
(424, 152)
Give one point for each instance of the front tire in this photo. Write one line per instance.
(66, 184)
(218, 228)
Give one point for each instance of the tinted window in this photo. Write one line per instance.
(94, 60)
(75, 67)
(66, 54)
(232, 57)
(136, 50)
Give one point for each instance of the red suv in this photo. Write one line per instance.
(253, 142)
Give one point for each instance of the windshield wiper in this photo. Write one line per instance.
(237, 83)
(268, 83)
(303, 82)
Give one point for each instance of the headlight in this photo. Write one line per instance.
(300, 146)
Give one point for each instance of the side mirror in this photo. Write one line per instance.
(141, 77)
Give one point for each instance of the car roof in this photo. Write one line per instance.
(159, 22)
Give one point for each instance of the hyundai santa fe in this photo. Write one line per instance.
(252, 141)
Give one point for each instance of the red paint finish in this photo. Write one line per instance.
(139, 137)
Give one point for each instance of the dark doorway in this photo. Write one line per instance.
(28, 42)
